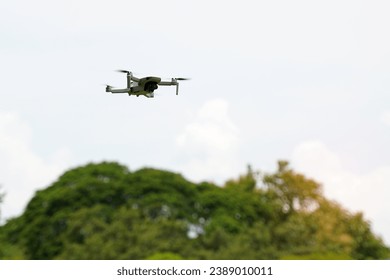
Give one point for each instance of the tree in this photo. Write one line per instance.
(2, 195)
(314, 227)
(246, 182)
(365, 244)
(128, 235)
(294, 191)
(105, 211)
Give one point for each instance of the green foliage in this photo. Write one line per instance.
(126, 235)
(294, 191)
(105, 211)
(165, 256)
(318, 256)
(2, 195)
(9, 251)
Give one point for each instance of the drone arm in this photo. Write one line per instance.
(171, 83)
(131, 78)
(135, 79)
(119, 90)
(167, 83)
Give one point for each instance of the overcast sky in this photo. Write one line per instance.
(304, 81)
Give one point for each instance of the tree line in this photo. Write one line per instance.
(105, 211)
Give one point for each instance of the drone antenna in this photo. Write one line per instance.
(177, 89)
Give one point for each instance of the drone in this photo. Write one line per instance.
(144, 86)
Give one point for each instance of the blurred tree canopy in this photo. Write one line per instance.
(105, 211)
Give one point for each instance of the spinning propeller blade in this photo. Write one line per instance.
(123, 71)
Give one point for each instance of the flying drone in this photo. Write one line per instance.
(144, 86)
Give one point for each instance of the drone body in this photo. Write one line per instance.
(144, 86)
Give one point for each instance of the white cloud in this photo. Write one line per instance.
(22, 171)
(367, 192)
(209, 143)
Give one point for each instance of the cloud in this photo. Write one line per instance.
(367, 192)
(209, 143)
(22, 171)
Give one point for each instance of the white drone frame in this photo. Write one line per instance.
(144, 86)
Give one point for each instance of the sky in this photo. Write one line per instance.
(303, 81)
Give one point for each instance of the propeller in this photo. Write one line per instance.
(177, 84)
(123, 71)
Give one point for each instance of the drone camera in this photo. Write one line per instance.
(151, 86)
(150, 95)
